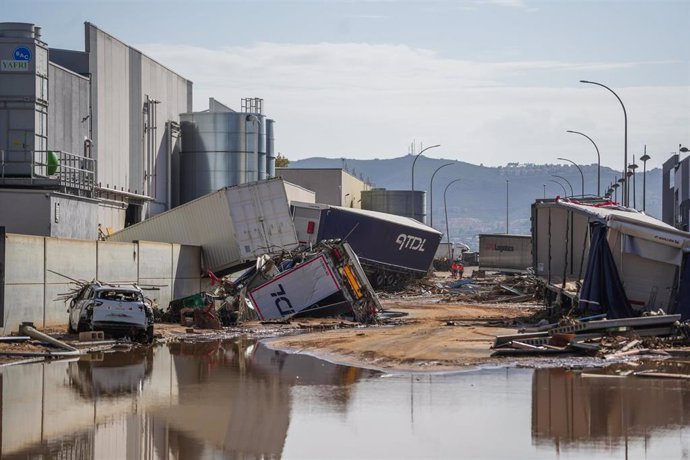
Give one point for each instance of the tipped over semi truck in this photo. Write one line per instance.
(391, 249)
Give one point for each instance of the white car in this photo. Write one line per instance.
(118, 311)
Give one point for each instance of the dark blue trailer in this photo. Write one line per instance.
(391, 249)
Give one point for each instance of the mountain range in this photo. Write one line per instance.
(477, 203)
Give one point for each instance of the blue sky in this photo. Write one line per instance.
(493, 81)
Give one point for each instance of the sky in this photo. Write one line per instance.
(491, 81)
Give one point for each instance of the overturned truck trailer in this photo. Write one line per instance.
(328, 281)
(611, 259)
(233, 226)
(391, 249)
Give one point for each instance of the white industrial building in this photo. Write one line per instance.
(92, 140)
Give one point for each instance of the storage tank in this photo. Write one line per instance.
(220, 149)
(404, 203)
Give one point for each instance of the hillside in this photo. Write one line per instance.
(477, 204)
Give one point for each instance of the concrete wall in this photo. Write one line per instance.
(43, 213)
(73, 217)
(68, 110)
(31, 287)
(25, 211)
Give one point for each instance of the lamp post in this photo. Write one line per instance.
(598, 159)
(582, 176)
(624, 191)
(415, 161)
(544, 190)
(644, 159)
(565, 192)
(414, 211)
(615, 190)
(572, 193)
(445, 209)
(431, 193)
(632, 167)
(507, 182)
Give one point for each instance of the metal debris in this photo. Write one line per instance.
(613, 339)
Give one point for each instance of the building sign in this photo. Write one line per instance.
(21, 56)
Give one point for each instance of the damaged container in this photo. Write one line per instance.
(329, 282)
(233, 225)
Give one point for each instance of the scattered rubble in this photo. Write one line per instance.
(608, 338)
(321, 281)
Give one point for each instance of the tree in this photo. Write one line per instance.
(282, 161)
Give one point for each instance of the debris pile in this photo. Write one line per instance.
(512, 289)
(614, 338)
(324, 280)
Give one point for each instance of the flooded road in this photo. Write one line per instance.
(237, 398)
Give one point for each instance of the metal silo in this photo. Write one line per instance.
(270, 149)
(219, 149)
(404, 203)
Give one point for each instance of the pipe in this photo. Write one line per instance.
(27, 328)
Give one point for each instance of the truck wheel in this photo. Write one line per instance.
(380, 280)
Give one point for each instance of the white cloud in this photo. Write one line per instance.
(361, 100)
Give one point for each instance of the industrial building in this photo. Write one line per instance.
(675, 192)
(405, 203)
(93, 141)
(334, 186)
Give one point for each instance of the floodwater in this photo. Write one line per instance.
(239, 399)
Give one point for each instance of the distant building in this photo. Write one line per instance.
(405, 203)
(675, 194)
(332, 186)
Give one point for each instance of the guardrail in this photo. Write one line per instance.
(71, 173)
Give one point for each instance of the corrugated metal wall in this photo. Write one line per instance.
(129, 140)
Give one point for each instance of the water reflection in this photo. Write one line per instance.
(570, 408)
(216, 399)
(237, 398)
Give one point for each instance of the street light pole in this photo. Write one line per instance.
(598, 159)
(582, 176)
(507, 182)
(644, 159)
(624, 190)
(615, 190)
(415, 161)
(414, 211)
(572, 193)
(431, 193)
(632, 167)
(565, 192)
(445, 209)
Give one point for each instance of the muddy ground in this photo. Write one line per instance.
(426, 329)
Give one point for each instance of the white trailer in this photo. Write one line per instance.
(233, 225)
(505, 252)
(648, 254)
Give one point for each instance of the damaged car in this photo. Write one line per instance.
(118, 311)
